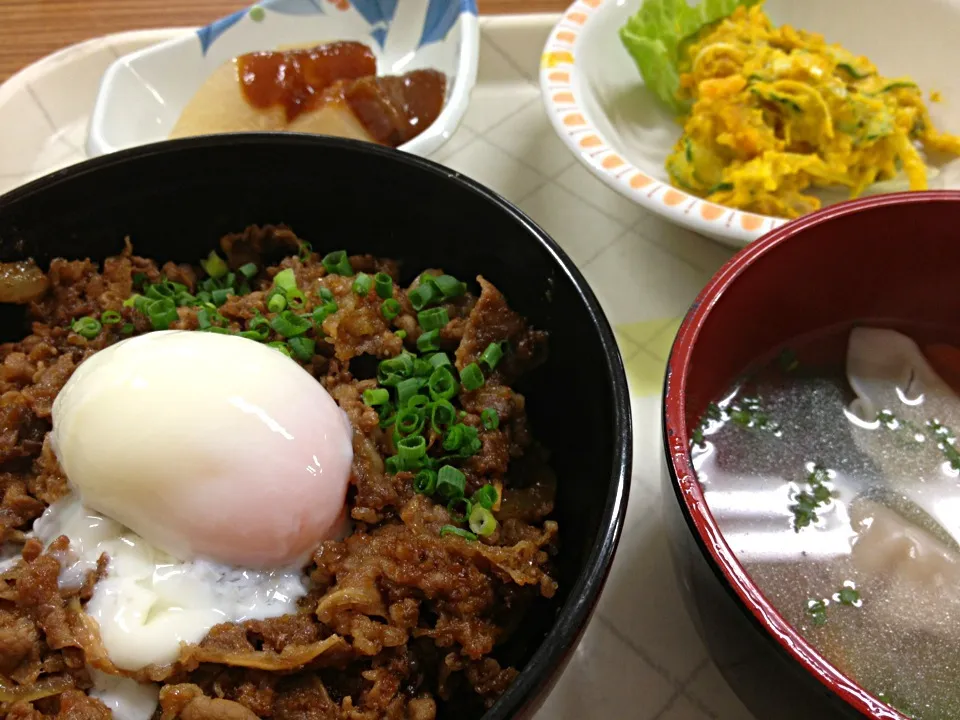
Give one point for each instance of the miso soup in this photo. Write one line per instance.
(834, 473)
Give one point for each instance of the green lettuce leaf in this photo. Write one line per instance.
(654, 38)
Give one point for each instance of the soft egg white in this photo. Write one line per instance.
(206, 445)
(149, 602)
(207, 468)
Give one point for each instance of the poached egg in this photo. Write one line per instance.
(207, 467)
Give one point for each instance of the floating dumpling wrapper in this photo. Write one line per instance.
(907, 532)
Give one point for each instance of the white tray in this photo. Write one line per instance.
(640, 658)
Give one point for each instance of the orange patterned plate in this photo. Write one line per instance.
(600, 108)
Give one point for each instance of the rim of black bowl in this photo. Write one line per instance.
(541, 671)
(702, 525)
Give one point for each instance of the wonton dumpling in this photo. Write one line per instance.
(879, 362)
(912, 564)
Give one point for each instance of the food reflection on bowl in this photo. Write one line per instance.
(330, 89)
(811, 463)
(228, 392)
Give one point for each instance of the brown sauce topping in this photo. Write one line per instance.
(394, 110)
(297, 79)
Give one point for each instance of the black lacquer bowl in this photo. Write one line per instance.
(175, 200)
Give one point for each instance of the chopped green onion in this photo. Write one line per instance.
(454, 438)
(87, 327)
(442, 385)
(406, 389)
(462, 440)
(261, 326)
(247, 334)
(289, 324)
(459, 532)
(426, 278)
(132, 300)
(471, 377)
(296, 299)
(322, 312)
(390, 308)
(451, 482)
(482, 521)
(410, 421)
(285, 280)
(337, 263)
(453, 508)
(389, 420)
(412, 447)
(401, 334)
(442, 415)
(159, 291)
(248, 271)
(421, 368)
(277, 303)
(433, 319)
(425, 482)
(229, 280)
(490, 419)
(282, 347)
(162, 313)
(491, 356)
(218, 330)
(485, 497)
(362, 284)
(203, 319)
(325, 294)
(384, 285)
(427, 342)
(393, 464)
(220, 296)
(110, 317)
(305, 250)
(439, 360)
(418, 401)
(303, 348)
(127, 329)
(392, 370)
(214, 265)
(139, 279)
(423, 295)
(376, 396)
(450, 286)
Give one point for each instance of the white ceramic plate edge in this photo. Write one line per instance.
(561, 90)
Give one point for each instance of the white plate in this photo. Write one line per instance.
(597, 102)
(144, 92)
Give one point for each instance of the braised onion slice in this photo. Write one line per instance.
(22, 282)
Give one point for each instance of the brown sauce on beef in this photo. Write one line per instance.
(400, 623)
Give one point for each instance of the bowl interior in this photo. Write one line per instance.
(843, 265)
(174, 201)
(612, 95)
(143, 93)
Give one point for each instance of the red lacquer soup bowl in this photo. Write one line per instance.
(891, 260)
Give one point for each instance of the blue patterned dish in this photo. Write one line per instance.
(142, 94)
